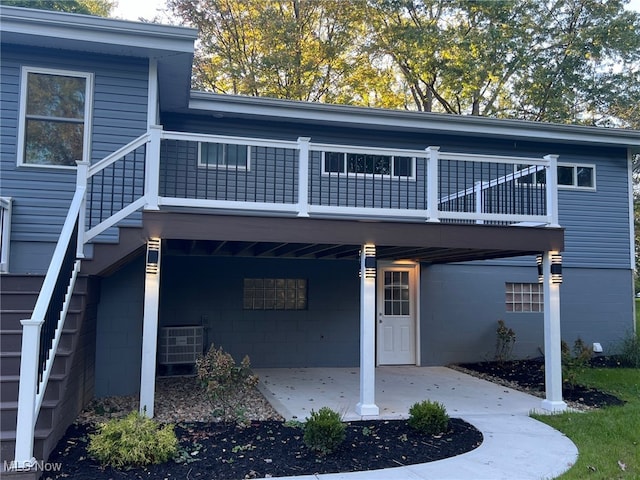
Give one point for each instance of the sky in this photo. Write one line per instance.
(134, 9)
(148, 9)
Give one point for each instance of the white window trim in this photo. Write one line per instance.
(5, 204)
(233, 168)
(568, 187)
(390, 176)
(575, 176)
(88, 105)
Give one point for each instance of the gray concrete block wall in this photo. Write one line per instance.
(119, 331)
(208, 291)
(461, 304)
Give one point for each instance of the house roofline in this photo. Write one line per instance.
(237, 105)
(102, 35)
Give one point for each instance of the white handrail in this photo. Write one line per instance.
(207, 138)
(5, 225)
(46, 373)
(27, 389)
(118, 154)
(46, 292)
(485, 185)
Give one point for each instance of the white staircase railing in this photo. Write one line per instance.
(35, 368)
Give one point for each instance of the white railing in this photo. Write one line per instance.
(38, 350)
(5, 232)
(291, 178)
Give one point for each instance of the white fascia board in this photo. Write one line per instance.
(219, 104)
(103, 35)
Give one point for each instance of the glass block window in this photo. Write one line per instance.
(275, 294)
(396, 293)
(524, 297)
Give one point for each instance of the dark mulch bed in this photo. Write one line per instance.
(271, 448)
(528, 375)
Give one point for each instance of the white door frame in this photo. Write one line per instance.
(414, 281)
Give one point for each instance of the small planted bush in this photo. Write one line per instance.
(226, 383)
(132, 441)
(324, 431)
(629, 351)
(428, 417)
(574, 361)
(505, 339)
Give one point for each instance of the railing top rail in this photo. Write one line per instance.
(118, 154)
(486, 184)
(209, 138)
(5, 202)
(475, 157)
(398, 152)
(51, 277)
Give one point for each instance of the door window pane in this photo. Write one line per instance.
(396, 293)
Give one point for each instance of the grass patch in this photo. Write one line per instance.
(609, 439)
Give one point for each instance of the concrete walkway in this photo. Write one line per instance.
(515, 446)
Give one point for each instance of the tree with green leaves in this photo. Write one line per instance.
(567, 61)
(101, 8)
(296, 49)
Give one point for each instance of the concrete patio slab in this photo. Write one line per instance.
(515, 446)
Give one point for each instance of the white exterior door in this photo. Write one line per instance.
(396, 315)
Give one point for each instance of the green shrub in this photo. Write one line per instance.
(324, 431)
(428, 417)
(134, 440)
(629, 351)
(226, 383)
(574, 361)
(505, 339)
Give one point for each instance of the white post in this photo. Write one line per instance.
(552, 190)
(478, 193)
(152, 94)
(152, 168)
(26, 420)
(432, 185)
(552, 353)
(150, 327)
(367, 406)
(81, 182)
(303, 176)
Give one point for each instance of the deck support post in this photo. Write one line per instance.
(550, 272)
(367, 405)
(28, 388)
(150, 327)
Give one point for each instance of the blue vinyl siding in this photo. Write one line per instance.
(42, 195)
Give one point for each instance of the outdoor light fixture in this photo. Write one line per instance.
(556, 268)
(153, 256)
(540, 272)
(369, 261)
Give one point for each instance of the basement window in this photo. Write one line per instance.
(524, 297)
(275, 294)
